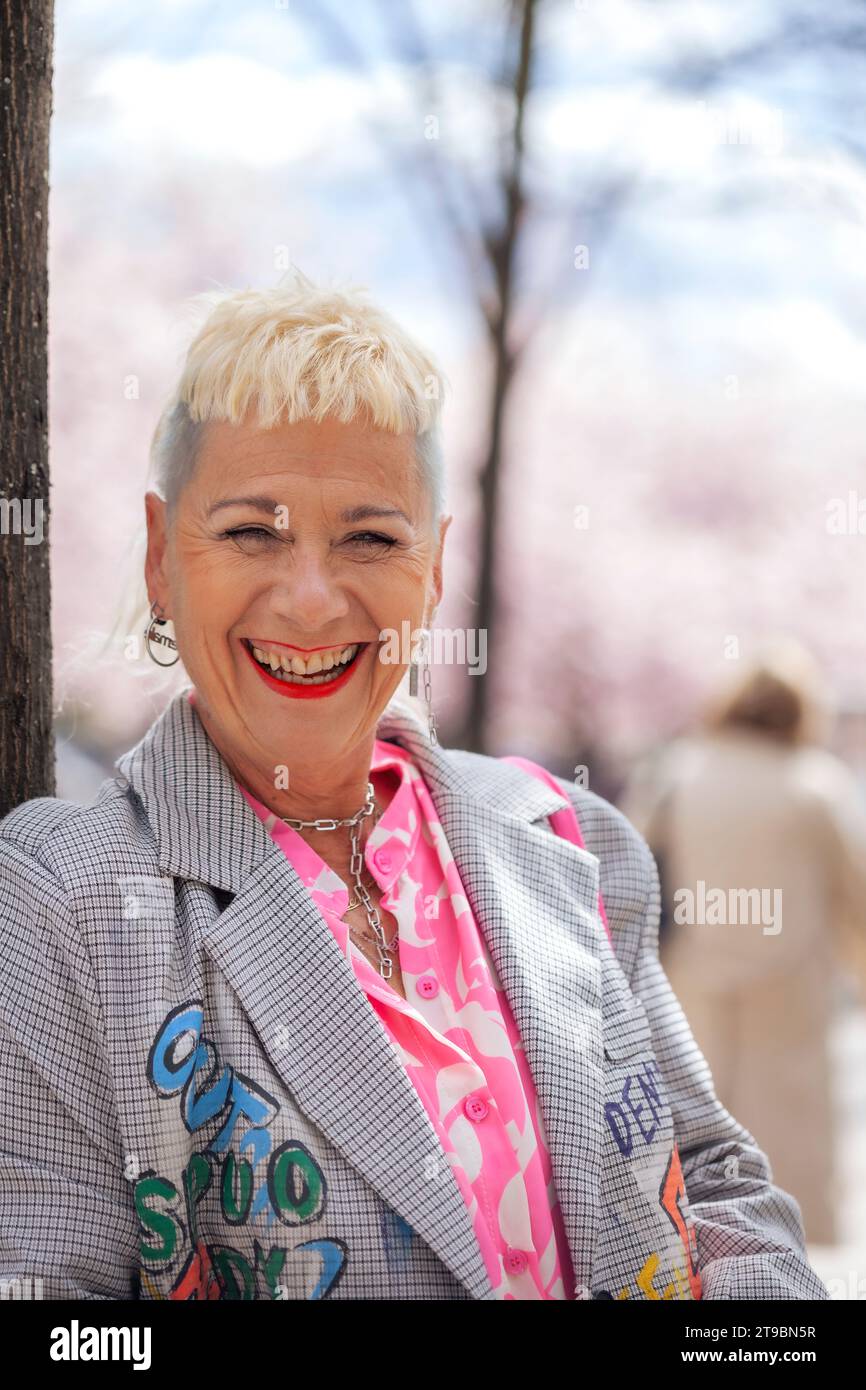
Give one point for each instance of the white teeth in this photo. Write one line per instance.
(314, 670)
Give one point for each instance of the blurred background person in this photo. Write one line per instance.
(760, 834)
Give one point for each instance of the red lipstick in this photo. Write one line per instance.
(306, 692)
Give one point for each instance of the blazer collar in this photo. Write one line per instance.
(535, 899)
(191, 797)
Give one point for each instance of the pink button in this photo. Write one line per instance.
(475, 1108)
(428, 987)
(383, 860)
(516, 1261)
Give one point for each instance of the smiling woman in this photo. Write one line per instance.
(305, 1005)
(269, 544)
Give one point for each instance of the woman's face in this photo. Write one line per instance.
(299, 541)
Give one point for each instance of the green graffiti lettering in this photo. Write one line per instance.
(237, 1189)
(271, 1265)
(235, 1274)
(296, 1184)
(196, 1181)
(161, 1223)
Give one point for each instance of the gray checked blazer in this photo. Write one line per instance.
(199, 1102)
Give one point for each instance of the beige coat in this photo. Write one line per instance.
(763, 853)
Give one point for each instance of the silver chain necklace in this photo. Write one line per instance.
(384, 949)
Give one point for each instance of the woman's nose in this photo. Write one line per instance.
(307, 595)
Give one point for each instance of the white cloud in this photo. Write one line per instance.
(222, 107)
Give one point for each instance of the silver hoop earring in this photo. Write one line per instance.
(160, 639)
(420, 662)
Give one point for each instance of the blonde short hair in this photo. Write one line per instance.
(299, 351)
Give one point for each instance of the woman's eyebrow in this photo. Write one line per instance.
(364, 513)
(260, 504)
(270, 505)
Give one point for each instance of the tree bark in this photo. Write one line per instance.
(26, 734)
(502, 249)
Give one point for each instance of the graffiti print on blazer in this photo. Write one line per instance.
(238, 1170)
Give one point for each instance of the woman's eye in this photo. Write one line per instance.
(372, 539)
(252, 536)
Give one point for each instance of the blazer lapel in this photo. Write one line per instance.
(535, 900)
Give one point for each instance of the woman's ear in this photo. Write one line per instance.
(155, 567)
(444, 523)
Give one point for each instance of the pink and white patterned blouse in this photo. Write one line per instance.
(454, 1032)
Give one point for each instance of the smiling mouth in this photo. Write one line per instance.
(283, 666)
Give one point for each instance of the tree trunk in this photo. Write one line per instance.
(502, 251)
(26, 735)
